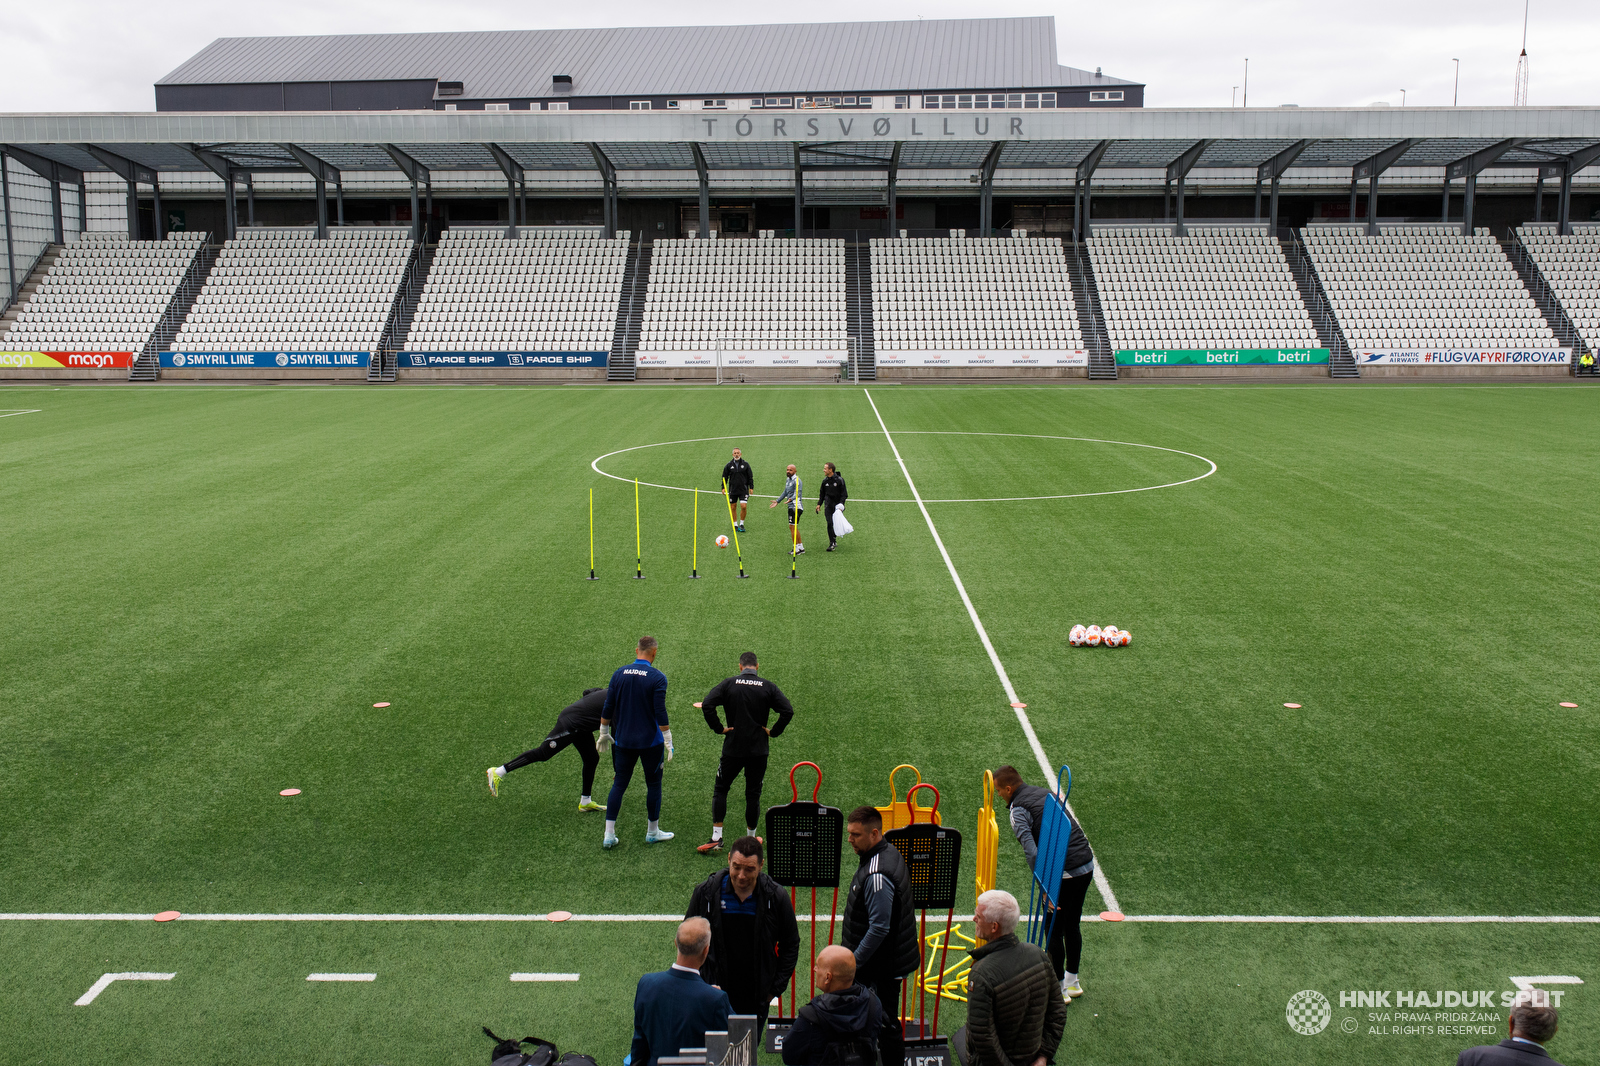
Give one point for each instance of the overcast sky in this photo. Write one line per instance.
(99, 55)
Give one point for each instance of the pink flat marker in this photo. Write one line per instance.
(167, 916)
(559, 916)
(380, 705)
(290, 792)
(1020, 706)
(1572, 705)
(697, 706)
(1112, 916)
(1292, 706)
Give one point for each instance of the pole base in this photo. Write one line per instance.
(743, 576)
(638, 577)
(793, 576)
(694, 577)
(593, 578)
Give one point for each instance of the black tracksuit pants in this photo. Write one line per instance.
(582, 739)
(754, 768)
(1066, 938)
(827, 513)
(892, 1037)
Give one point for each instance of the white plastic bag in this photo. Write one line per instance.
(841, 525)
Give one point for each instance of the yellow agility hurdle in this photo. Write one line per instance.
(951, 983)
(898, 815)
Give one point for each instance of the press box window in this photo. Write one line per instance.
(497, 107)
(901, 103)
(559, 105)
(672, 105)
(638, 105)
(715, 105)
(1105, 97)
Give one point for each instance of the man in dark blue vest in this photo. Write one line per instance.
(880, 925)
(634, 722)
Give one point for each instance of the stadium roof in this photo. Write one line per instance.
(1135, 138)
(862, 56)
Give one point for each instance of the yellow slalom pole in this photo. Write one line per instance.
(734, 526)
(591, 535)
(794, 530)
(638, 547)
(694, 555)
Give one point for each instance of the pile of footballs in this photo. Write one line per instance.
(1095, 637)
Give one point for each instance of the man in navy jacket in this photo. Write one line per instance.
(674, 1009)
(634, 729)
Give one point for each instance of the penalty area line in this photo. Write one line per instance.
(1045, 768)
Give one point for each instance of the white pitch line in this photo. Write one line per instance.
(1373, 919)
(18, 411)
(544, 977)
(105, 983)
(341, 977)
(994, 657)
(1527, 983)
(1216, 919)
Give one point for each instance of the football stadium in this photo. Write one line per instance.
(1180, 519)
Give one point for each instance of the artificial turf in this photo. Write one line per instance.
(206, 589)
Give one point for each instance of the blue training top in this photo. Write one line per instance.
(636, 705)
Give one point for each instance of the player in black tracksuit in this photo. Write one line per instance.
(748, 699)
(575, 726)
(833, 494)
(741, 481)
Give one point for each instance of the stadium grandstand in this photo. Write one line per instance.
(927, 198)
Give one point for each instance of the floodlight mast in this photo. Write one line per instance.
(1519, 97)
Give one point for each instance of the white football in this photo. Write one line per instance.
(1109, 636)
(1093, 637)
(1075, 638)
(722, 541)
(1124, 637)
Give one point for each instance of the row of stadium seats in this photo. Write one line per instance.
(1199, 291)
(104, 293)
(277, 290)
(1430, 289)
(1416, 288)
(486, 291)
(1571, 265)
(761, 294)
(996, 292)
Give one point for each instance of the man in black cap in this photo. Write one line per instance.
(880, 925)
(575, 727)
(833, 495)
(741, 480)
(748, 699)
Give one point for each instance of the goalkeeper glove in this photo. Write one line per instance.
(666, 739)
(603, 745)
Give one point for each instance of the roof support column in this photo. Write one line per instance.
(416, 173)
(1444, 206)
(156, 216)
(338, 192)
(11, 249)
(799, 195)
(55, 211)
(1470, 167)
(231, 202)
(1179, 169)
(224, 169)
(250, 197)
(1274, 169)
(133, 211)
(1166, 199)
(986, 188)
(130, 172)
(608, 178)
(83, 207)
(514, 176)
(893, 225)
(1369, 169)
(705, 190)
(1086, 168)
(322, 173)
(1538, 197)
(1564, 203)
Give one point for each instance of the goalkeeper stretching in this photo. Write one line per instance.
(636, 705)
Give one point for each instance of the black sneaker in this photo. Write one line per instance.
(832, 546)
(710, 847)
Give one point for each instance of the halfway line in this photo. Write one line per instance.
(994, 657)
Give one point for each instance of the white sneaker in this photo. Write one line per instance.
(1073, 991)
(656, 836)
(610, 841)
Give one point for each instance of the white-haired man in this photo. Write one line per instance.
(1015, 1013)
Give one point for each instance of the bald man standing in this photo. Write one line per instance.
(841, 1024)
(674, 1009)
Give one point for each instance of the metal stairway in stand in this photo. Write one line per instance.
(1341, 362)
(386, 355)
(620, 365)
(863, 362)
(1086, 295)
(147, 365)
(1549, 306)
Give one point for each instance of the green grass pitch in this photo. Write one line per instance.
(203, 592)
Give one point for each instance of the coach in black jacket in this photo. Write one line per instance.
(754, 939)
(832, 495)
(1530, 1027)
(880, 924)
(748, 699)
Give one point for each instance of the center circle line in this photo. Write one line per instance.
(595, 465)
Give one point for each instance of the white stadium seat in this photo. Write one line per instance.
(756, 295)
(540, 291)
(104, 294)
(285, 290)
(1425, 287)
(1571, 266)
(942, 293)
(1226, 286)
